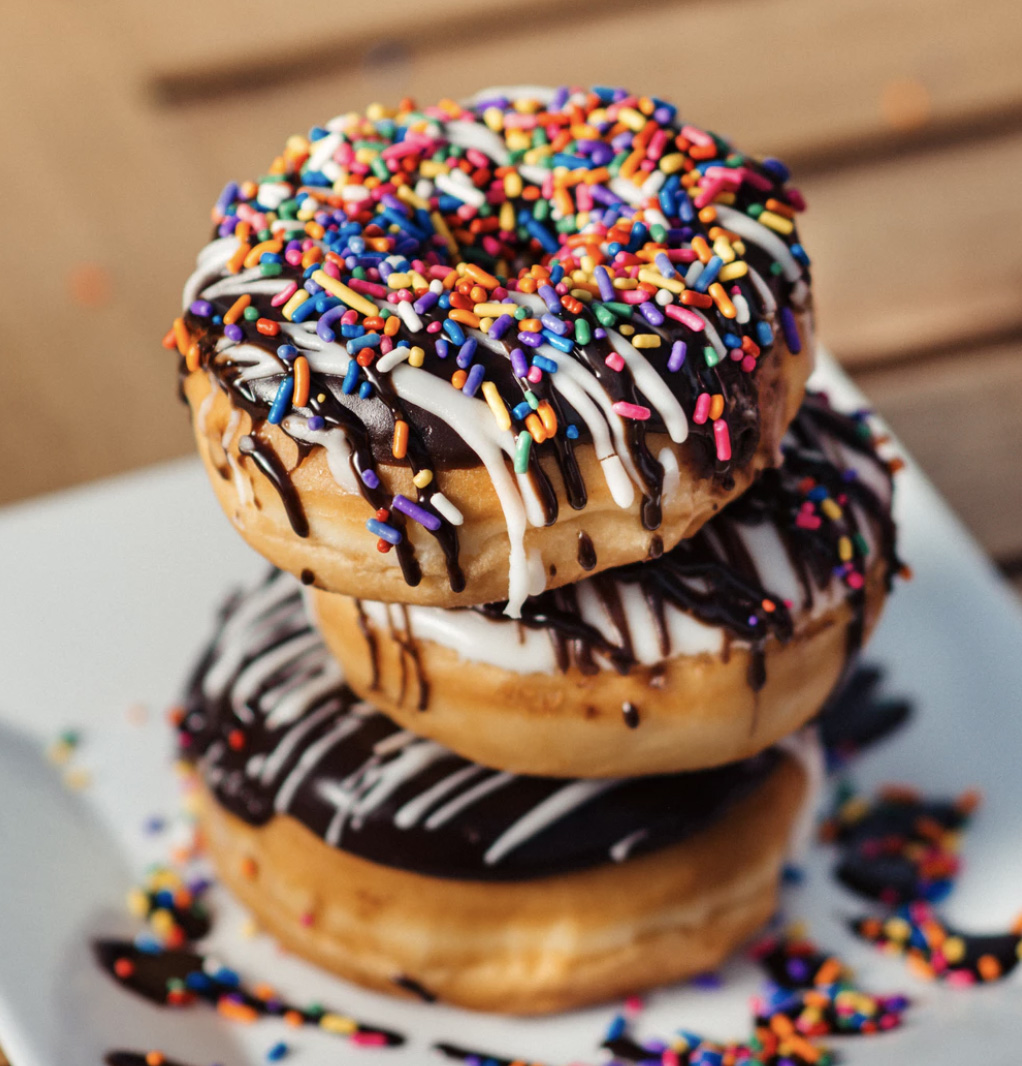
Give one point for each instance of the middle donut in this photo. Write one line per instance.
(704, 656)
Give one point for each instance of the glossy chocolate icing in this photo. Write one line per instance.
(273, 729)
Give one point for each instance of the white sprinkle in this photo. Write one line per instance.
(392, 359)
(409, 316)
(466, 193)
(447, 509)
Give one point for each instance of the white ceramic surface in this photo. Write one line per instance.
(106, 594)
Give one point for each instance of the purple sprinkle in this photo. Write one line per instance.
(474, 380)
(557, 325)
(651, 313)
(316, 423)
(519, 362)
(442, 348)
(664, 265)
(530, 340)
(394, 203)
(313, 288)
(425, 302)
(550, 297)
(467, 353)
(604, 284)
(622, 141)
(202, 308)
(707, 981)
(370, 479)
(600, 333)
(560, 99)
(791, 337)
(227, 196)
(324, 326)
(500, 327)
(679, 349)
(227, 227)
(233, 332)
(416, 513)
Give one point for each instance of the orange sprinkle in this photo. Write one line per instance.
(169, 340)
(237, 1012)
(828, 973)
(535, 427)
(392, 325)
(702, 249)
(294, 1019)
(716, 407)
(182, 338)
(313, 255)
(248, 868)
(691, 298)
(252, 259)
(458, 378)
(989, 968)
(722, 300)
(399, 448)
(468, 318)
(779, 208)
(234, 263)
(477, 274)
(267, 327)
(708, 214)
(192, 358)
(235, 311)
(301, 393)
(155, 1058)
(547, 417)
(530, 325)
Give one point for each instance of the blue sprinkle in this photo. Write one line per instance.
(282, 401)
(544, 364)
(383, 531)
(521, 411)
(536, 229)
(572, 432)
(454, 331)
(615, 1029)
(306, 310)
(227, 977)
(467, 353)
(776, 169)
(316, 423)
(552, 322)
(369, 479)
(564, 344)
(764, 334)
(474, 379)
(790, 329)
(709, 274)
(367, 340)
(351, 330)
(817, 494)
(731, 340)
(556, 273)
(350, 378)
(443, 349)
(365, 390)
(800, 254)
(287, 352)
(277, 1052)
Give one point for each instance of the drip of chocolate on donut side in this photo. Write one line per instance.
(645, 263)
(830, 504)
(274, 730)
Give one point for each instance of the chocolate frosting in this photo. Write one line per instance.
(274, 730)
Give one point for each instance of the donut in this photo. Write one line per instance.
(430, 349)
(397, 864)
(704, 656)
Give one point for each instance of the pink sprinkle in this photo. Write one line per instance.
(535, 375)
(631, 410)
(368, 1039)
(807, 521)
(702, 411)
(748, 364)
(722, 438)
(736, 354)
(332, 269)
(307, 919)
(633, 296)
(615, 362)
(854, 579)
(434, 327)
(633, 1004)
(285, 294)
(696, 135)
(709, 191)
(368, 287)
(294, 257)
(796, 199)
(685, 317)
(757, 181)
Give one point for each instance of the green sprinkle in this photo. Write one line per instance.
(379, 167)
(604, 316)
(658, 233)
(754, 210)
(619, 309)
(710, 355)
(532, 400)
(269, 270)
(250, 314)
(583, 334)
(522, 451)
(521, 313)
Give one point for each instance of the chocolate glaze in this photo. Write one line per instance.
(310, 749)
(437, 444)
(712, 574)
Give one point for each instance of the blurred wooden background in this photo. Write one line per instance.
(901, 120)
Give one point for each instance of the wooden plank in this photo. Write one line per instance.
(917, 254)
(959, 417)
(793, 77)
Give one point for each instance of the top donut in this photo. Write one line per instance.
(461, 353)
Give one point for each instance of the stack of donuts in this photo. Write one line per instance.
(512, 394)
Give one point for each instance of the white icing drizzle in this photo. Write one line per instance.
(745, 226)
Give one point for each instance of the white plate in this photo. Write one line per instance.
(107, 593)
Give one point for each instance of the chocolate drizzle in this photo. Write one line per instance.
(830, 498)
(274, 730)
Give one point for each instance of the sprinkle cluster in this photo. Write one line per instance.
(172, 907)
(935, 950)
(898, 847)
(407, 235)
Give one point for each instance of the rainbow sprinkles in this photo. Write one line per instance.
(495, 282)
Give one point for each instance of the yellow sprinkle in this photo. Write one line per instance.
(647, 340)
(494, 118)
(672, 163)
(496, 405)
(844, 549)
(418, 281)
(625, 284)
(633, 119)
(507, 217)
(485, 323)
(399, 281)
(342, 292)
(654, 277)
(897, 929)
(778, 223)
(422, 479)
(831, 509)
(582, 294)
(417, 356)
(296, 301)
(734, 270)
(493, 310)
(722, 247)
(336, 1023)
(76, 780)
(430, 168)
(727, 198)
(626, 329)
(405, 193)
(138, 903)
(513, 185)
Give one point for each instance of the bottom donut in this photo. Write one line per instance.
(397, 864)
